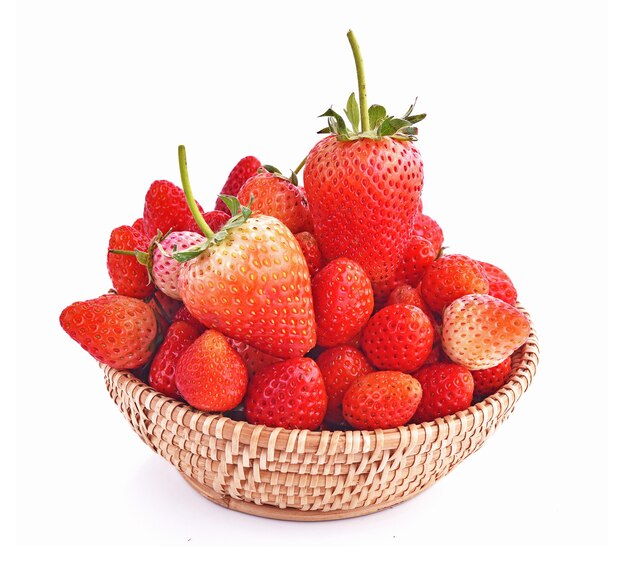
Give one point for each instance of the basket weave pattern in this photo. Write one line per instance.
(318, 474)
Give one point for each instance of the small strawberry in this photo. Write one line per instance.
(480, 331)
(165, 209)
(488, 381)
(363, 184)
(450, 277)
(288, 394)
(500, 285)
(128, 276)
(240, 174)
(398, 337)
(340, 367)
(252, 357)
(428, 228)
(405, 294)
(210, 375)
(184, 315)
(311, 251)
(381, 400)
(419, 254)
(139, 225)
(271, 194)
(343, 301)
(165, 309)
(249, 281)
(116, 330)
(215, 219)
(179, 337)
(446, 388)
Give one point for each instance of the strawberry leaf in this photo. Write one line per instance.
(232, 203)
(377, 114)
(352, 112)
(191, 253)
(391, 125)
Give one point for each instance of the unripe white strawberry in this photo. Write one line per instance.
(481, 331)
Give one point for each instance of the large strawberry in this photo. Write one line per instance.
(250, 281)
(242, 172)
(129, 277)
(270, 193)
(117, 330)
(343, 301)
(363, 185)
(288, 394)
(481, 331)
(381, 400)
(165, 209)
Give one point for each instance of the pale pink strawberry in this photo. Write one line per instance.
(165, 269)
(481, 331)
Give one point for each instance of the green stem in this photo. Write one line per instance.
(360, 75)
(301, 165)
(123, 252)
(191, 202)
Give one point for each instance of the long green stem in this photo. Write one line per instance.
(360, 75)
(191, 202)
(301, 165)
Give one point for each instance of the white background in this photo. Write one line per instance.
(514, 148)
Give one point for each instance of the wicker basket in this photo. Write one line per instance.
(312, 475)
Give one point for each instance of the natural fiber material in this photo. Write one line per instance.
(312, 475)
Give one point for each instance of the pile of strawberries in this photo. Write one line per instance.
(331, 305)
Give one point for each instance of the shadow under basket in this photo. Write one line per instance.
(304, 475)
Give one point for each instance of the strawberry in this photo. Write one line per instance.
(381, 400)
(480, 331)
(184, 315)
(488, 381)
(179, 337)
(428, 228)
(249, 281)
(128, 276)
(398, 337)
(210, 375)
(288, 394)
(362, 184)
(500, 285)
(215, 219)
(417, 257)
(165, 209)
(116, 330)
(343, 300)
(244, 169)
(139, 225)
(451, 277)
(165, 309)
(446, 388)
(340, 367)
(311, 251)
(405, 294)
(253, 359)
(274, 195)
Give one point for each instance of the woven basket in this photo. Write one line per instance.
(312, 475)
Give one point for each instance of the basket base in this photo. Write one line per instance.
(290, 513)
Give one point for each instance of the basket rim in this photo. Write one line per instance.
(525, 360)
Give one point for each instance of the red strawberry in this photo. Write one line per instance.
(451, 277)
(165, 309)
(277, 197)
(215, 219)
(311, 251)
(480, 331)
(252, 357)
(405, 294)
(210, 375)
(129, 277)
(488, 381)
(179, 337)
(240, 174)
(428, 228)
(139, 225)
(117, 330)
(398, 337)
(184, 315)
(165, 209)
(343, 300)
(288, 394)
(363, 184)
(250, 282)
(500, 285)
(446, 388)
(417, 257)
(381, 400)
(340, 367)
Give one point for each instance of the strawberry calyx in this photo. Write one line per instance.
(369, 122)
(276, 172)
